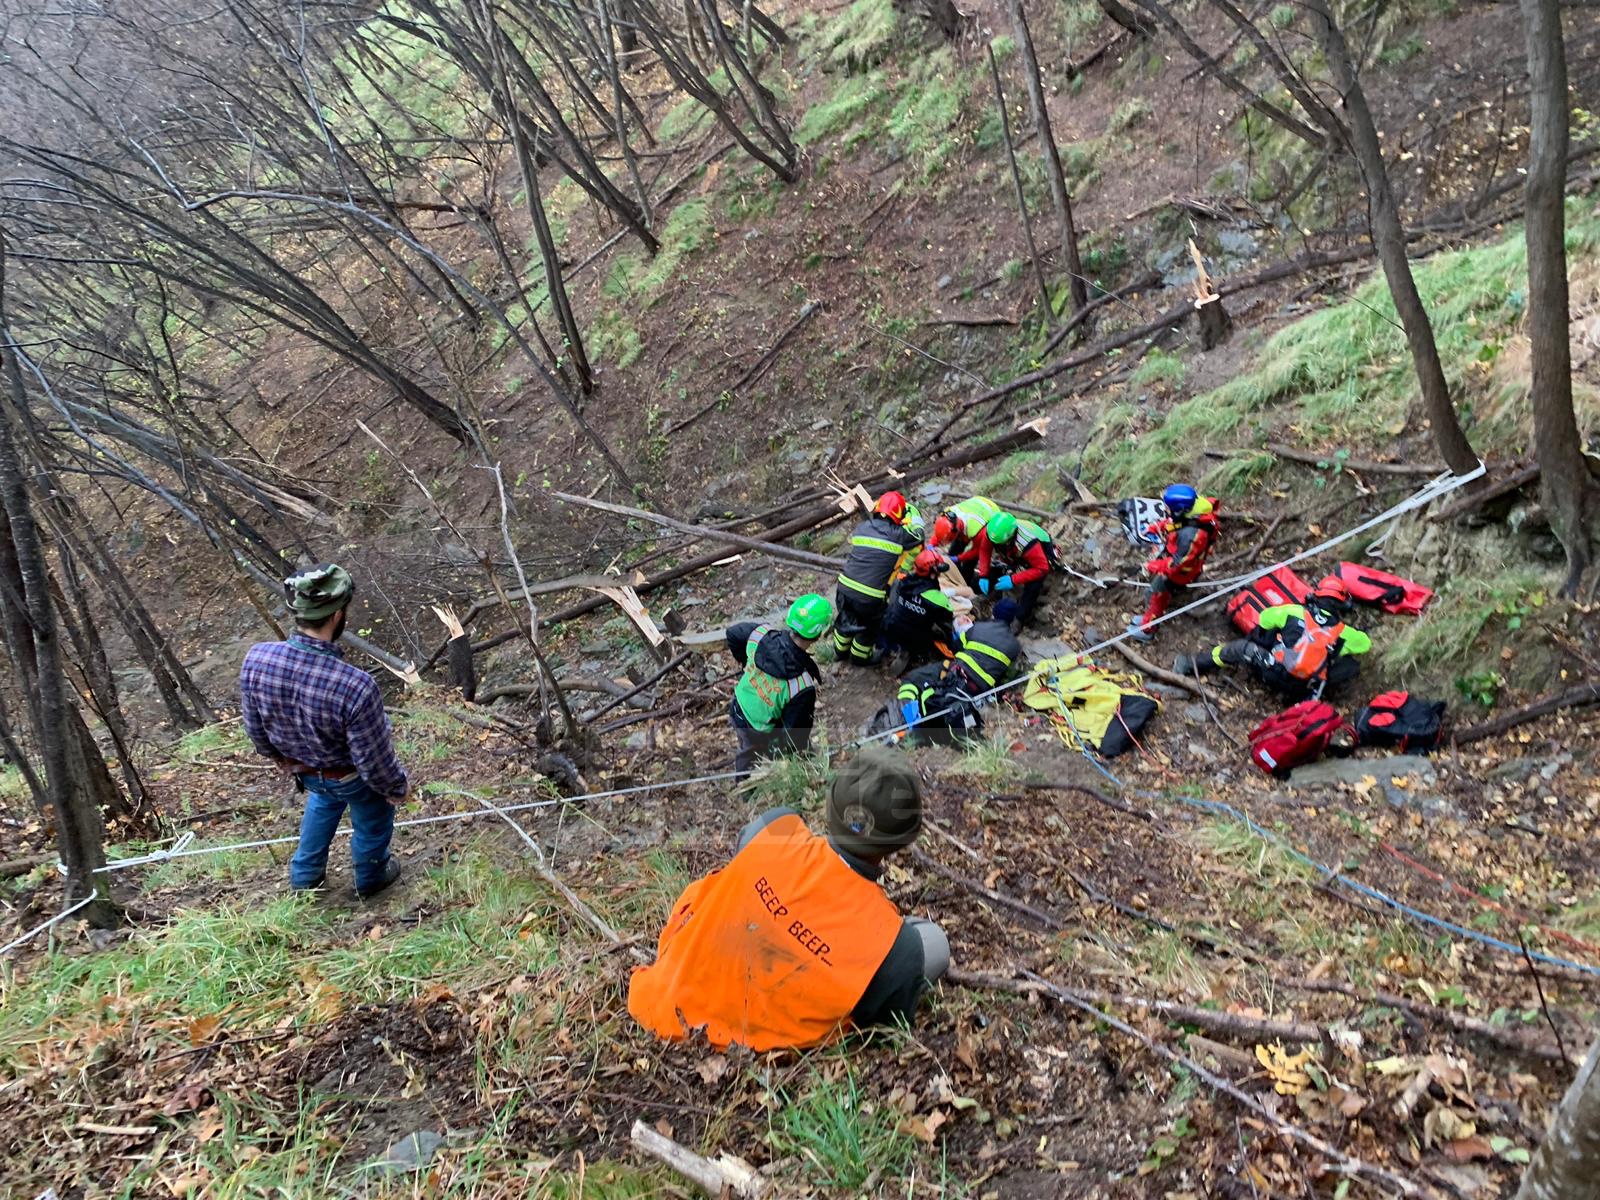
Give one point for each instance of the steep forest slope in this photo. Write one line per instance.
(336, 337)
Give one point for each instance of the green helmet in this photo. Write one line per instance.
(1001, 528)
(810, 616)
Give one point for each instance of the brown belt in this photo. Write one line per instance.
(330, 774)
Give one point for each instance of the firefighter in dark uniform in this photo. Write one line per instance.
(920, 622)
(989, 655)
(877, 548)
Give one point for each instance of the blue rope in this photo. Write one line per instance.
(1406, 910)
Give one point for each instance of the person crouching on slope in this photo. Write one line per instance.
(322, 721)
(876, 549)
(794, 943)
(1014, 556)
(1188, 537)
(920, 621)
(775, 701)
(1297, 651)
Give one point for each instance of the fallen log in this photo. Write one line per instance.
(810, 518)
(1236, 1025)
(1517, 479)
(718, 1177)
(1146, 667)
(628, 696)
(1048, 920)
(1361, 465)
(1574, 697)
(1514, 1040)
(759, 369)
(1335, 1159)
(700, 533)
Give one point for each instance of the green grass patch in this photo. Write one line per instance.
(613, 338)
(1344, 375)
(990, 763)
(684, 119)
(861, 36)
(1159, 367)
(222, 740)
(285, 958)
(798, 781)
(856, 97)
(841, 1138)
(1468, 607)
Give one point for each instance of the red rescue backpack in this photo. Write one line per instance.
(1389, 592)
(1400, 721)
(1299, 734)
(1278, 586)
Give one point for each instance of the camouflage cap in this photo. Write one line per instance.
(316, 593)
(875, 805)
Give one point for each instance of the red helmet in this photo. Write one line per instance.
(944, 530)
(891, 505)
(928, 563)
(1333, 590)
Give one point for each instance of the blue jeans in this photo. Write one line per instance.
(372, 823)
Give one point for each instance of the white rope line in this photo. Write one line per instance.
(1442, 486)
(182, 850)
(42, 926)
(1427, 494)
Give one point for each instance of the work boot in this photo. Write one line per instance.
(391, 872)
(898, 662)
(1137, 631)
(309, 887)
(1190, 664)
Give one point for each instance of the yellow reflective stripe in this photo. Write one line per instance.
(875, 593)
(979, 671)
(871, 543)
(993, 653)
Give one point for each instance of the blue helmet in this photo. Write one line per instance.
(1179, 498)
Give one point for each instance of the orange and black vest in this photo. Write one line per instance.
(775, 950)
(1308, 655)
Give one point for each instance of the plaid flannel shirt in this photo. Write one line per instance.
(303, 703)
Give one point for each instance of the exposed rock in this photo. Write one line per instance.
(945, 281)
(410, 1153)
(1332, 771)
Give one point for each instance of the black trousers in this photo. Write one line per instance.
(1255, 655)
(855, 633)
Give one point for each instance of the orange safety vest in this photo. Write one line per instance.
(1311, 652)
(772, 951)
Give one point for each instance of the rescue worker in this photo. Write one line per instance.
(1188, 536)
(919, 623)
(1297, 651)
(794, 943)
(1011, 555)
(933, 706)
(876, 549)
(956, 527)
(989, 655)
(322, 721)
(775, 701)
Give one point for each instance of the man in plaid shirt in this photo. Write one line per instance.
(322, 720)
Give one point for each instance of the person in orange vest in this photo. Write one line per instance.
(1187, 538)
(1297, 651)
(793, 943)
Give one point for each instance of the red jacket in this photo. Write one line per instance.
(1188, 542)
(1026, 563)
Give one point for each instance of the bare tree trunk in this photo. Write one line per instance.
(1568, 485)
(1049, 315)
(1131, 21)
(1389, 240)
(1068, 231)
(555, 285)
(79, 835)
(1568, 1161)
